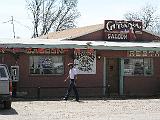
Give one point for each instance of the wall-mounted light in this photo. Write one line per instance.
(98, 57)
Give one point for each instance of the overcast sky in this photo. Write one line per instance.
(92, 12)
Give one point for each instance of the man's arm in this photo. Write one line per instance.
(75, 74)
(66, 78)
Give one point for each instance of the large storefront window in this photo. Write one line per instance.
(46, 65)
(139, 66)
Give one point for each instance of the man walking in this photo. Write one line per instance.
(72, 85)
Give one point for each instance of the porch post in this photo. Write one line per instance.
(104, 76)
(121, 83)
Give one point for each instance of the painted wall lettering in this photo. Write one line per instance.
(44, 51)
(34, 50)
(117, 36)
(143, 53)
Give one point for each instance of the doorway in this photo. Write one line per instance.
(112, 76)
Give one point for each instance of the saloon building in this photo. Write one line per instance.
(115, 58)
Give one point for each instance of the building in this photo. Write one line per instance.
(114, 58)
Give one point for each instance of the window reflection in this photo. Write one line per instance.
(142, 66)
(46, 65)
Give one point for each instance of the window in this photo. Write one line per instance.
(46, 65)
(2, 72)
(139, 66)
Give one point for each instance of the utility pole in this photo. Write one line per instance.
(12, 22)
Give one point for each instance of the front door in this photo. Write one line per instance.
(112, 76)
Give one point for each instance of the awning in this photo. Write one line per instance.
(61, 43)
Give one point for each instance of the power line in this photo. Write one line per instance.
(22, 24)
(12, 22)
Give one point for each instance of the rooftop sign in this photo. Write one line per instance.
(122, 30)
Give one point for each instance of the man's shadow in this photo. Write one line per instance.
(11, 111)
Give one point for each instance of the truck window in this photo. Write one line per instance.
(2, 72)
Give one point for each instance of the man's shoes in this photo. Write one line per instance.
(76, 100)
(64, 99)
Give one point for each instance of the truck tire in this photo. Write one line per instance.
(7, 104)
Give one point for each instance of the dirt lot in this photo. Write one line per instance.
(133, 109)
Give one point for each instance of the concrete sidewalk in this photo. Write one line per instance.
(132, 109)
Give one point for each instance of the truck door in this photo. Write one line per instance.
(4, 80)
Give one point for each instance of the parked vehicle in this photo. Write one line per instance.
(5, 86)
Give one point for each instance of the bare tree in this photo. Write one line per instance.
(148, 16)
(52, 15)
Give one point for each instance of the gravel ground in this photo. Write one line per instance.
(133, 109)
